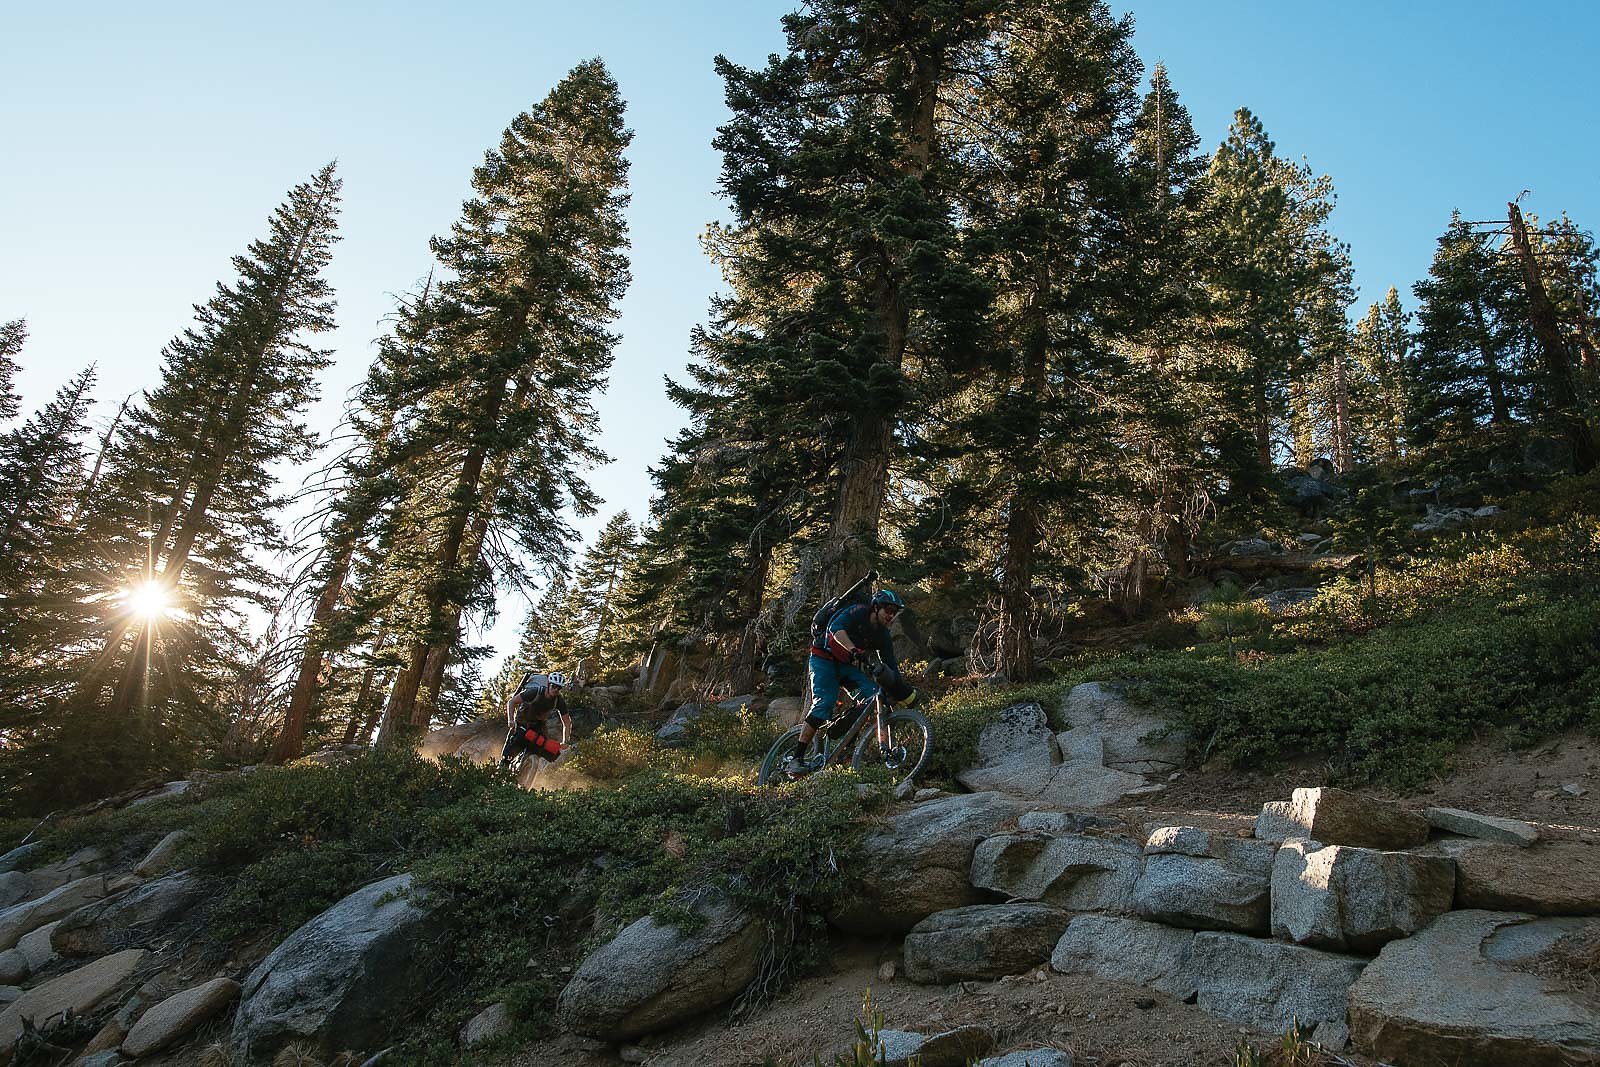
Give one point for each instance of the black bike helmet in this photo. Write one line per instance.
(888, 598)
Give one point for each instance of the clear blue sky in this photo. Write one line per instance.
(145, 144)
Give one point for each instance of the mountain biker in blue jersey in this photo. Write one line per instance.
(854, 632)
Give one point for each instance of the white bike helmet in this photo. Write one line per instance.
(556, 678)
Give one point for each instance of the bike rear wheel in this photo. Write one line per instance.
(771, 770)
(909, 742)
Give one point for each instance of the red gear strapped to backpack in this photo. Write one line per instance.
(548, 747)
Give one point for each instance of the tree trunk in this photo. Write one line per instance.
(1343, 453)
(1557, 362)
(1499, 410)
(1016, 589)
(753, 588)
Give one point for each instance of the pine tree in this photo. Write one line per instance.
(185, 507)
(594, 605)
(1470, 364)
(1054, 192)
(536, 268)
(837, 164)
(41, 564)
(1382, 351)
(13, 335)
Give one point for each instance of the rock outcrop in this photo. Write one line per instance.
(1339, 817)
(1356, 899)
(129, 919)
(339, 981)
(24, 918)
(1071, 871)
(653, 975)
(1205, 881)
(1127, 950)
(982, 941)
(1484, 827)
(1018, 755)
(1468, 991)
(920, 862)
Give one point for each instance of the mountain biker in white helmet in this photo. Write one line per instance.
(528, 713)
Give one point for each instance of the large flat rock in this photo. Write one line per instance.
(1549, 878)
(1127, 950)
(1356, 899)
(1268, 984)
(1469, 991)
(982, 941)
(1075, 872)
(133, 918)
(79, 991)
(653, 975)
(919, 862)
(1485, 827)
(1340, 817)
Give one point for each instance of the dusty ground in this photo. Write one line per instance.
(1100, 1023)
(1486, 778)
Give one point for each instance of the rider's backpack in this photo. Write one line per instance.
(860, 593)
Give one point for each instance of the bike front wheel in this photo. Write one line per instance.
(907, 742)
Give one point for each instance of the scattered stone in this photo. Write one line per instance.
(1484, 827)
(1033, 1057)
(1339, 817)
(785, 711)
(130, 919)
(14, 969)
(1573, 789)
(1205, 881)
(952, 1048)
(1550, 878)
(178, 1016)
(1356, 899)
(37, 948)
(166, 792)
(673, 733)
(487, 1025)
(1276, 822)
(929, 793)
(886, 971)
(339, 981)
(22, 919)
(1268, 984)
(1457, 993)
(1331, 1035)
(79, 991)
(1074, 872)
(918, 862)
(163, 857)
(632, 1054)
(1127, 950)
(982, 941)
(653, 975)
(743, 700)
(1250, 546)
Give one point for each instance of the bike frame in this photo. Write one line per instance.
(847, 742)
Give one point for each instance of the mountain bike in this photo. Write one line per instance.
(892, 743)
